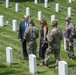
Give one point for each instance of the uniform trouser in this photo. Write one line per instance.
(69, 48)
(48, 53)
(25, 55)
(31, 47)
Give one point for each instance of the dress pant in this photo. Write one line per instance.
(25, 55)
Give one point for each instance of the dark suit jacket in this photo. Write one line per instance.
(21, 31)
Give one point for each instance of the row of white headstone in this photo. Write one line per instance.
(57, 10)
(46, 2)
(62, 65)
(16, 5)
(14, 23)
(57, 7)
(39, 12)
(28, 13)
(35, 1)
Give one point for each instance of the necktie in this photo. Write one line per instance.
(26, 25)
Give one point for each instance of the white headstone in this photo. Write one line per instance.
(7, 3)
(62, 68)
(36, 1)
(14, 23)
(39, 15)
(53, 18)
(7, 0)
(32, 63)
(1, 20)
(17, 7)
(57, 7)
(46, 3)
(69, 11)
(70, 1)
(28, 11)
(64, 43)
(9, 56)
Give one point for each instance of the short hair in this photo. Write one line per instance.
(26, 16)
(31, 22)
(68, 17)
(56, 23)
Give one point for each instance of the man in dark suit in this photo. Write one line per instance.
(23, 26)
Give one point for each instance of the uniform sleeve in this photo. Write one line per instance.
(37, 33)
(51, 38)
(26, 33)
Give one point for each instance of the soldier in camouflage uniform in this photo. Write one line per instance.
(70, 31)
(54, 43)
(31, 34)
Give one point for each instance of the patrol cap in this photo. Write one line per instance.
(68, 18)
(55, 20)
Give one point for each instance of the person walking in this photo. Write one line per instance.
(70, 34)
(54, 44)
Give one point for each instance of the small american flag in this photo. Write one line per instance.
(19, 55)
(73, 71)
(7, 22)
(41, 64)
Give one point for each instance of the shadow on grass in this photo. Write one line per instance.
(42, 1)
(52, 62)
(14, 63)
(20, 0)
(10, 72)
(2, 66)
(39, 72)
(38, 58)
(52, 66)
(74, 58)
(72, 65)
(1, 1)
(5, 73)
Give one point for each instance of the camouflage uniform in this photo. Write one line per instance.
(54, 45)
(69, 40)
(30, 35)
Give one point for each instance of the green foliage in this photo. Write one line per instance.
(10, 38)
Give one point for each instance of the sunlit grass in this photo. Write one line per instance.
(10, 38)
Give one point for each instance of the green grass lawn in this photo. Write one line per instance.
(10, 38)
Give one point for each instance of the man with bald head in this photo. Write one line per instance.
(23, 26)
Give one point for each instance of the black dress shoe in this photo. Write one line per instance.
(26, 58)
